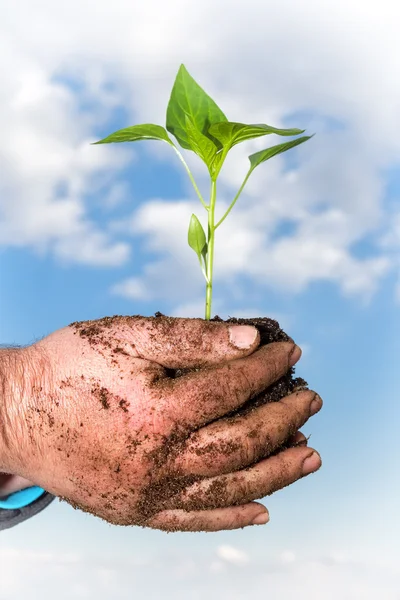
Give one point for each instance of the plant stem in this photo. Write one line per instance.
(190, 176)
(210, 248)
(234, 200)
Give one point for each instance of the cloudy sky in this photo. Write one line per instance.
(87, 231)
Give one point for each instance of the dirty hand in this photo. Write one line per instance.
(93, 416)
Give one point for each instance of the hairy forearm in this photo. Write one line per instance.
(16, 393)
(9, 365)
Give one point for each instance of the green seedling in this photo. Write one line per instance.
(199, 125)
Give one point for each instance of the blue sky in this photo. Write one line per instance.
(88, 231)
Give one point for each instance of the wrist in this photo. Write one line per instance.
(19, 384)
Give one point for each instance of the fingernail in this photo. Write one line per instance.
(294, 355)
(315, 405)
(261, 519)
(242, 336)
(312, 463)
(300, 439)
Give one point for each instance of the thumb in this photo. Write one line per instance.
(176, 342)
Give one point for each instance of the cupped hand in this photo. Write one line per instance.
(103, 425)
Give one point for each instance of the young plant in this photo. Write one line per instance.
(199, 125)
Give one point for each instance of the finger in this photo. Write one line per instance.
(299, 439)
(208, 394)
(183, 343)
(263, 479)
(233, 517)
(234, 443)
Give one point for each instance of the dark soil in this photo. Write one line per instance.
(269, 332)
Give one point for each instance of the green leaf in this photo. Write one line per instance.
(200, 144)
(260, 157)
(196, 236)
(197, 239)
(188, 98)
(135, 133)
(230, 134)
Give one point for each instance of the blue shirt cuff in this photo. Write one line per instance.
(21, 498)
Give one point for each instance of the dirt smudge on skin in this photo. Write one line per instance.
(168, 487)
(123, 404)
(169, 447)
(132, 445)
(108, 399)
(215, 449)
(160, 495)
(215, 496)
(119, 350)
(102, 394)
(98, 332)
(65, 383)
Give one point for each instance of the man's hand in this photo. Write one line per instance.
(99, 422)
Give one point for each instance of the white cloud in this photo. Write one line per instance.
(132, 288)
(232, 555)
(192, 572)
(176, 273)
(287, 557)
(390, 242)
(336, 63)
(217, 567)
(48, 166)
